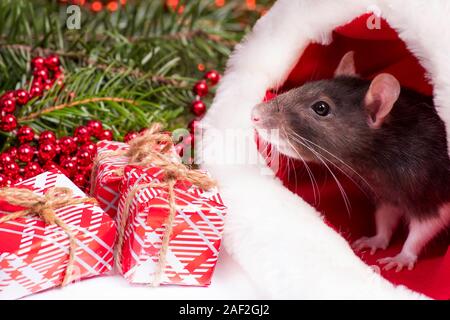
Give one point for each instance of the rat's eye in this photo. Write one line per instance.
(321, 108)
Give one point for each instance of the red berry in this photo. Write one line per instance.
(25, 153)
(37, 63)
(8, 95)
(213, 77)
(50, 165)
(89, 147)
(18, 179)
(130, 136)
(32, 169)
(47, 137)
(48, 84)
(25, 134)
(8, 105)
(68, 167)
(40, 74)
(12, 151)
(36, 90)
(6, 158)
(5, 181)
(67, 145)
(201, 88)
(84, 157)
(95, 127)
(52, 62)
(46, 152)
(58, 75)
(57, 147)
(105, 135)
(80, 180)
(64, 157)
(22, 96)
(8, 123)
(198, 108)
(86, 170)
(82, 134)
(11, 169)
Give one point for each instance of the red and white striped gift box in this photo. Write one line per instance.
(197, 231)
(105, 188)
(34, 256)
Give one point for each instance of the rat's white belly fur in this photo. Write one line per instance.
(280, 240)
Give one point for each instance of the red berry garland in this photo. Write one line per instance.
(45, 72)
(198, 107)
(201, 89)
(34, 153)
(72, 155)
(96, 5)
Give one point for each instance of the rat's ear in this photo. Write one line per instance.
(381, 97)
(347, 65)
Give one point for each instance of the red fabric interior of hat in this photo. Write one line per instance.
(376, 51)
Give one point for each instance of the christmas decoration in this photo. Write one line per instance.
(8, 123)
(125, 84)
(25, 134)
(105, 180)
(68, 100)
(31, 239)
(198, 108)
(178, 203)
(96, 5)
(213, 77)
(72, 155)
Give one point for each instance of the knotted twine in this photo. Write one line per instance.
(138, 151)
(153, 147)
(44, 207)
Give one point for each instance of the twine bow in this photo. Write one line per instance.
(44, 207)
(143, 151)
(138, 152)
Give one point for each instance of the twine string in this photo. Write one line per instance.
(144, 150)
(44, 207)
(138, 151)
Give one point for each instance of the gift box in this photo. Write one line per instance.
(35, 255)
(105, 179)
(111, 159)
(193, 245)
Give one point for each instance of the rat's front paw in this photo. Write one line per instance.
(373, 243)
(399, 262)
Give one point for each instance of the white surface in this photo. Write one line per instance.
(229, 282)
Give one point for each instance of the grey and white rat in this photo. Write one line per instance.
(388, 138)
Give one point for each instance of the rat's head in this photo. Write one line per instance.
(339, 115)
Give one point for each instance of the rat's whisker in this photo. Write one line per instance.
(341, 161)
(312, 178)
(295, 173)
(338, 183)
(342, 171)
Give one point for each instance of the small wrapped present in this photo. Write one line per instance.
(50, 235)
(113, 156)
(170, 227)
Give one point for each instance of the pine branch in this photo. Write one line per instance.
(126, 68)
(73, 104)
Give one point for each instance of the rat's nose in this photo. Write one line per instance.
(255, 115)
